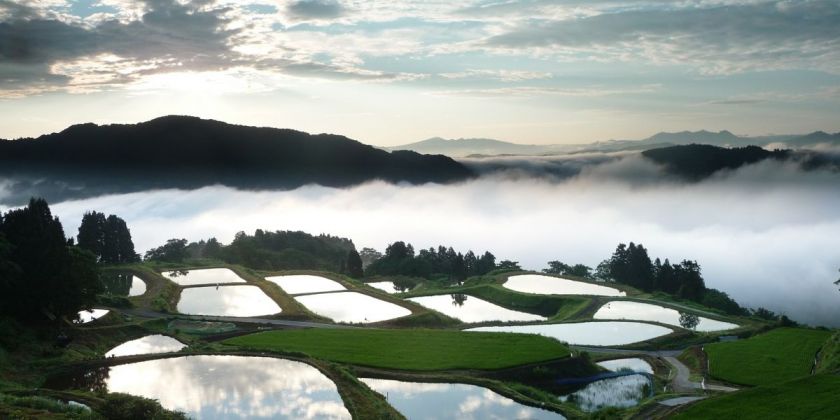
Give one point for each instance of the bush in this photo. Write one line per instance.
(128, 407)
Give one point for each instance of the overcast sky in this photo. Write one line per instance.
(392, 72)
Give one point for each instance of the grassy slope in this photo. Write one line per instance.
(410, 349)
(830, 355)
(813, 397)
(777, 356)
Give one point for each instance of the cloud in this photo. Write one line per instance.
(766, 234)
(719, 39)
(315, 9)
(169, 35)
(521, 91)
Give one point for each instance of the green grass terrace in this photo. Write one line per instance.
(415, 350)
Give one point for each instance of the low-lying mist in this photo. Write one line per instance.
(767, 234)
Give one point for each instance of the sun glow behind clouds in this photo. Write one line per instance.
(532, 72)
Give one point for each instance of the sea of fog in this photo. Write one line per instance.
(768, 234)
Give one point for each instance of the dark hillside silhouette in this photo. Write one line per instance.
(189, 152)
(697, 161)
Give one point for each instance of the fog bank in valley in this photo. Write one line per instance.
(767, 234)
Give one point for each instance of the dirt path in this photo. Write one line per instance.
(681, 382)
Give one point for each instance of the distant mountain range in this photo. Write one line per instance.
(189, 152)
(478, 147)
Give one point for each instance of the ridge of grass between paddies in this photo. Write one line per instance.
(410, 349)
(812, 397)
(779, 355)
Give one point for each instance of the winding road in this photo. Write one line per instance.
(681, 382)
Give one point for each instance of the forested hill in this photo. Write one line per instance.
(189, 152)
(698, 161)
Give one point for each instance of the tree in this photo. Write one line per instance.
(174, 250)
(486, 263)
(354, 265)
(556, 267)
(458, 299)
(509, 265)
(107, 238)
(369, 255)
(691, 281)
(47, 276)
(689, 321)
(212, 249)
(92, 233)
(399, 250)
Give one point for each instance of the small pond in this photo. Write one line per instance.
(123, 284)
(389, 286)
(204, 276)
(621, 392)
(91, 315)
(305, 284)
(607, 333)
(620, 309)
(547, 285)
(226, 301)
(472, 309)
(352, 307)
(146, 345)
(220, 387)
(452, 401)
(631, 363)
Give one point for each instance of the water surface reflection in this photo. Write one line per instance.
(240, 301)
(225, 387)
(452, 401)
(548, 285)
(149, 344)
(620, 309)
(472, 309)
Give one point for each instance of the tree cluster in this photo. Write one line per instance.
(578, 270)
(631, 265)
(106, 237)
(41, 275)
(401, 259)
(264, 250)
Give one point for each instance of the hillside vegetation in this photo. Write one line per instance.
(813, 397)
(777, 356)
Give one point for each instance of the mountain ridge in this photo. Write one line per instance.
(190, 152)
(466, 147)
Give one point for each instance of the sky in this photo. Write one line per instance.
(394, 72)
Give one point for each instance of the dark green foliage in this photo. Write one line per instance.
(714, 298)
(688, 320)
(286, 250)
(174, 250)
(695, 161)
(508, 265)
(107, 238)
(42, 275)
(579, 270)
(92, 233)
(369, 255)
(354, 265)
(120, 406)
(188, 152)
(764, 313)
(400, 259)
(631, 265)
